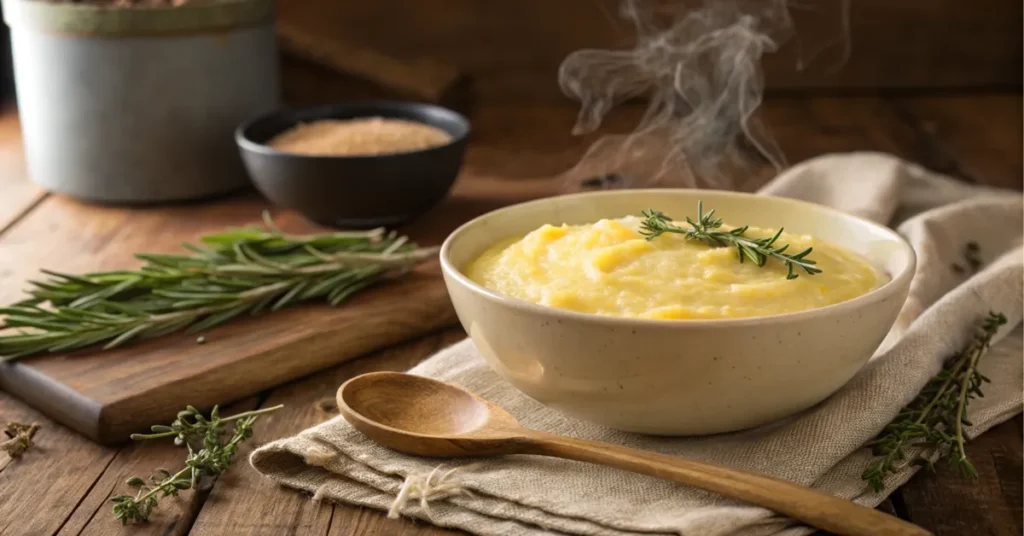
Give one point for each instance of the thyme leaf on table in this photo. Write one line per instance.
(935, 419)
(209, 455)
(239, 271)
(18, 438)
(706, 229)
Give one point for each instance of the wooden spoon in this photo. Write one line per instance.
(426, 417)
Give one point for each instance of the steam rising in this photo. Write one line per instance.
(699, 68)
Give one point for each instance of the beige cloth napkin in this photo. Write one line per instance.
(822, 447)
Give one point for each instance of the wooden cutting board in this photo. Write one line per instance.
(108, 395)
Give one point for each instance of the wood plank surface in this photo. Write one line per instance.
(517, 46)
(989, 506)
(62, 486)
(424, 79)
(108, 395)
(977, 138)
(39, 490)
(17, 194)
(294, 513)
(804, 129)
(173, 516)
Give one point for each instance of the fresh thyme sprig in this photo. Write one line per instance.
(704, 229)
(208, 457)
(935, 419)
(240, 271)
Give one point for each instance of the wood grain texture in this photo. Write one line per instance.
(513, 49)
(348, 521)
(810, 127)
(230, 513)
(107, 395)
(516, 149)
(308, 83)
(976, 138)
(989, 506)
(17, 194)
(39, 490)
(423, 79)
(173, 516)
(36, 495)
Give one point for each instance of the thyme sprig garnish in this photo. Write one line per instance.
(239, 271)
(934, 420)
(209, 455)
(757, 250)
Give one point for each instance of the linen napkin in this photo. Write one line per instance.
(822, 447)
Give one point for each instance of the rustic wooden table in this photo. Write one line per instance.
(63, 485)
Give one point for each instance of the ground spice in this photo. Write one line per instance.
(359, 137)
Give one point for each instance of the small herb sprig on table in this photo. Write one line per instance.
(19, 438)
(935, 419)
(208, 457)
(240, 271)
(705, 229)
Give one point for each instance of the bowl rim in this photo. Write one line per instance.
(895, 283)
(323, 111)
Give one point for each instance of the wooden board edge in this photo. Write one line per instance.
(51, 398)
(116, 421)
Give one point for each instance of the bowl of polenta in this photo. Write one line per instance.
(676, 312)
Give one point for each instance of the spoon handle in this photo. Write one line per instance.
(815, 508)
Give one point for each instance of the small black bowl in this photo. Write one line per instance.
(355, 191)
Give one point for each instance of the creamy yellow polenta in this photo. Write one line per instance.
(609, 268)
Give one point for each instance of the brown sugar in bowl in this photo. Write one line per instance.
(363, 166)
(369, 136)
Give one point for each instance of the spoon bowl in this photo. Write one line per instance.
(434, 415)
(427, 417)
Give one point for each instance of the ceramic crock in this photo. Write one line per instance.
(139, 104)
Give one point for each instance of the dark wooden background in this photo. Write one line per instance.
(512, 49)
(934, 81)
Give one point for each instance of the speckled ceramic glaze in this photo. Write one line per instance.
(682, 377)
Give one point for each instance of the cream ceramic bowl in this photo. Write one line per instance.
(678, 377)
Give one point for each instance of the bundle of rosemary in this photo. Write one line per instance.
(239, 271)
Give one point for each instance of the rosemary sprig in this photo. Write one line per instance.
(757, 250)
(935, 419)
(208, 457)
(240, 271)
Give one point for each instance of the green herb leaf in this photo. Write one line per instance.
(934, 420)
(209, 455)
(705, 229)
(235, 272)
